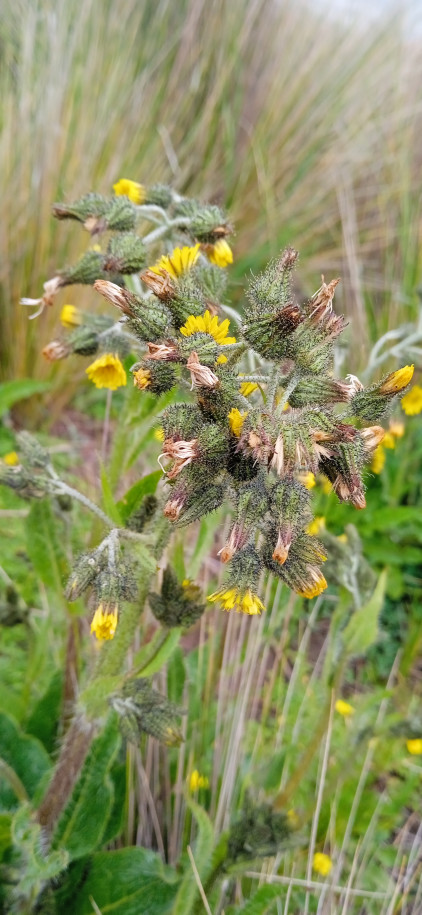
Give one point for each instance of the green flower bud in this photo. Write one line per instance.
(186, 505)
(187, 298)
(300, 571)
(271, 291)
(84, 573)
(245, 569)
(182, 421)
(84, 340)
(312, 389)
(159, 195)
(142, 515)
(89, 267)
(343, 468)
(22, 482)
(205, 347)
(148, 319)
(34, 453)
(88, 205)
(152, 376)
(177, 605)
(291, 511)
(207, 223)
(99, 213)
(126, 254)
(143, 709)
(258, 832)
(374, 402)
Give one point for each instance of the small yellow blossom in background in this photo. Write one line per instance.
(142, 379)
(389, 441)
(344, 708)
(221, 360)
(244, 602)
(378, 459)
(316, 585)
(96, 248)
(414, 746)
(247, 388)
(397, 380)
(159, 434)
(412, 401)
(208, 324)
(220, 254)
(325, 484)
(307, 479)
(322, 864)
(293, 818)
(127, 188)
(236, 420)
(397, 427)
(316, 525)
(70, 316)
(107, 372)
(11, 458)
(104, 624)
(342, 538)
(179, 261)
(197, 781)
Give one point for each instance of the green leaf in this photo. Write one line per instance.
(5, 835)
(152, 657)
(133, 497)
(362, 629)
(202, 853)
(12, 392)
(25, 755)
(109, 504)
(130, 881)
(82, 825)
(261, 901)
(44, 546)
(43, 721)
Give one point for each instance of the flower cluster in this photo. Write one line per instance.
(255, 440)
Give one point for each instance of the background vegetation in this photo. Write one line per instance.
(306, 130)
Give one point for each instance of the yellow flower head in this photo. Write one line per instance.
(412, 401)
(315, 586)
(107, 372)
(397, 380)
(142, 379)
(179, 261)
(70, 316)
(196, 781)
(414, 746)
(322, 864)
(159, 434)
(389, 441)
(220, 254)
(243, 601)
(342, 538)
(378, 459)
(127, 188)
(104, 623)
(316, 525)
(307, 479)
(11, 458)
(344, 708)
(236, 420)
(248, 387)
(208, 324)
(397, 427)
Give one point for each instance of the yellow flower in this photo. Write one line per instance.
(248, 387)
(344, 708)
(397, 380)
(127, 188)
(178, 262)
(221, 360)
(107, 372)
(414, 746)
(316, 525)
(70, 316)
(104, 623)
(412, 401)
(159, 434)
(293, 818)
(389, 441)
(396, 427)
(11, 458)
(236, 420)
(315, 586)
(243, 601)
(197, 781)
(208, 324)
(220, 254)
(378, 459)
(142, 379)
(307, 478)
(342, 538)
(322, 864)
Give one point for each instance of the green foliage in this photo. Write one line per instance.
(131, 881)
(26, 757)
(362, 629)
(12, 392)
(202, 853)
(83, 823)
(44, 544)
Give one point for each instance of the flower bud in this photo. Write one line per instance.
(176, 605)
(56, 350)
(372, 403)
(159, 195)
(155, 377)
(258, 832)
(35, 454)
(126, 254)
(146, 710)
(312, 389)
(202, 376)
(149, 319)
(186, 505)
(99, 214)
(89, 267)
(161, 285)
(84, 341)
(207, 222)
(300, 571)
(83, 574)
